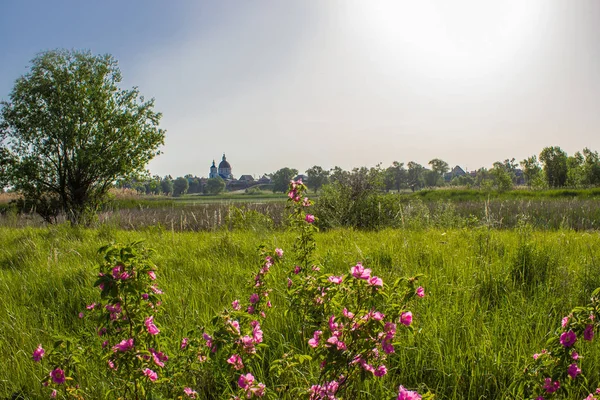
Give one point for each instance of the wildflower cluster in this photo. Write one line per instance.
(236, 335)
(555, 371)
(349, 321)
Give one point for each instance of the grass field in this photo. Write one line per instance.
(492, 298)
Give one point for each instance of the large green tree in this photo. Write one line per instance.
(69, 132)
(215, 185)
(281, 179)
(317, 177)
(554, 160)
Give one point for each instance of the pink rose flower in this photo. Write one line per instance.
(38, 353)
(360, 272)
(58, 376)
(279, 252)
(153, 376)
(406, 318)
(310, 218)
(420, 291)
(152, 329)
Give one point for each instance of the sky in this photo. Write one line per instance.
(346, 83)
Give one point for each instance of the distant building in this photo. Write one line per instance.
(224, 170)
(456, 171)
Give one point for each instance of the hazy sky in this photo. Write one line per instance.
(322, 82)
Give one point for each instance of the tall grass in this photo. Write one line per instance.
(491, 295)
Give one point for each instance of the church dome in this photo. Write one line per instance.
(224, 164)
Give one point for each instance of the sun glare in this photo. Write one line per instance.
(455, 38)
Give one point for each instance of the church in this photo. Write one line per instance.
(224, 170)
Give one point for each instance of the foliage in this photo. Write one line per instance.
(180, 186)
(317, 177)
(554, 161)
(70, 132)
(215, 185)
(282, 178)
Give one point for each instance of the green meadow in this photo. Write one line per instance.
(493, 297)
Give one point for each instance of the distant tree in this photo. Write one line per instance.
(395, 176)
(531, 170)
(501, 176)
(440, 167)
(591, 167)
(415, 175)
(431, 178)
(195, 185)
(337, 174)
(166, 185)
(317, 177)
(69, 132)
(152, 185)
(180, 186)
(554, 161)
(281, 179)
(575, 170)
(215, 185)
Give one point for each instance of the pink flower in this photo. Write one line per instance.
(111, 365)
(81, 315)
(152, 275)
(236, 326)
(250, 309)
(156, 290)
(335, 279)
(306, 202)
(257, 333)
(404, 394)
(150, 374)
(279, 252)
(550, 386)
(236, 361)
(152, 329)
(123, 346)
(377, 316)
(406, 318)
(245, 381)
(53, 394)
(158, 357)
(347, 313)
(359, 272)
(145, 296)
(297, 269)
(588, 333)
(184, 343)
(573, 370)
(310, 218)
(248, 343)
(192, 394)
(568, 339)
(289, 283)
(314, 342)
(375, 281)
(420, 291)
(387, 346)
(38, 353)
(58, 376)
(575, 355)
(116, 271)
(236, 305)
(564, 321)
(258, 390)
(91, 306)
(380, 371)
(254, 298)
(208, 339)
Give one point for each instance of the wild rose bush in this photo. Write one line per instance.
(349, 325)
(555, 371)
(231, 347)
(349, 321)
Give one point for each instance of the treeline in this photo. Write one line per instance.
(553, 168)
(169, 186)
